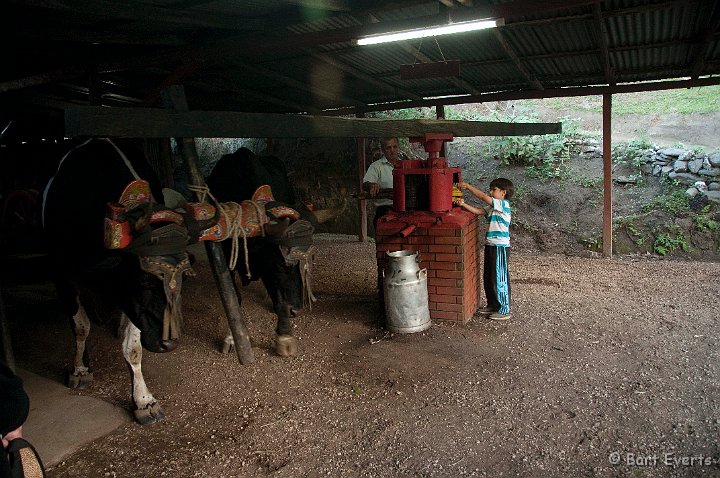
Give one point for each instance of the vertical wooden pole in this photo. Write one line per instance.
(607, 176)
(7, 352)
(440, 114)
(174, 98)
(166, 162)
(362, 203)
(94, 94)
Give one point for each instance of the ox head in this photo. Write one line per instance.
(158, 237)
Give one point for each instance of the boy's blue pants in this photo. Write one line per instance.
(496, 278)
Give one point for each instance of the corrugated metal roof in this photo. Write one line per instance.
(299, 55)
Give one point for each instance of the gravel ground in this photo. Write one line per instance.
(604, 361)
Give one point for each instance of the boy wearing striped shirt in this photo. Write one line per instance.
(496, 278)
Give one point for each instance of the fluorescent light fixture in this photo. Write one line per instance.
(428, 32)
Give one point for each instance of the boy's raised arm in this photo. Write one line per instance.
(475, 192)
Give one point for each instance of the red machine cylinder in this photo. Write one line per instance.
(440, 186)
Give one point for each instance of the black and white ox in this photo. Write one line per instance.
(110, 240)
(282, 256)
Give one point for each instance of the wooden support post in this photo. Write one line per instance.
(7, 352)
(362, 203)
(174, 98)
(440, 114)
(166, 163)
(607, 176)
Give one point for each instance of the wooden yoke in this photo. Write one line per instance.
(174, 98)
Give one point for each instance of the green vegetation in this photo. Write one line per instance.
(703, 221)
(586, 182)
(405, 114)
(669, 240)
(633, 152)
(632, 229)
(682, 101)
(676, 203)
(666, 222)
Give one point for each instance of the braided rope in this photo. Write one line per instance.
(234, 225)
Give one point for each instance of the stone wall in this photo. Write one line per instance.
(699, 171)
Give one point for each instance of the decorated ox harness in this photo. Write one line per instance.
(152, 232)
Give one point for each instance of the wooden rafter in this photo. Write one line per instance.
(119, 10)
(174, 78)
(459, 82)
(704, 41)
(601, 33)
(326, 58)
(547, 93)
(309, 87)
(223, 87)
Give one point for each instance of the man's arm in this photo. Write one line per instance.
(371, 188)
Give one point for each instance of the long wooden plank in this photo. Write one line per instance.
(158, 123)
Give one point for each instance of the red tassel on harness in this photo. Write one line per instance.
(118, 234)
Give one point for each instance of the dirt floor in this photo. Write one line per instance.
(604, 362)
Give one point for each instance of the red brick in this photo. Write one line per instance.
(442, 282)
(427, 257)
(447, 249)
(448, 299)
(440, 231)
(448, 266)
(440, 314)
(449, 307)
(455, 240)
(457, 291)
(420, 239)
(448, 257)
(449, 274)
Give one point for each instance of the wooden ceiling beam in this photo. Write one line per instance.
(223, 88)
(126, 37)
(459, 82)
(547, 93)
(704, 41)
(311, 88)
(175, 77)
(142, 13)
(159, 123)
(601, 34)
(325, 58)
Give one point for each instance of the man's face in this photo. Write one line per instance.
(391, 149)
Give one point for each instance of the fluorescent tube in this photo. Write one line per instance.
(427, 32)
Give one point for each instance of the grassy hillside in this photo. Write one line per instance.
(683, 101)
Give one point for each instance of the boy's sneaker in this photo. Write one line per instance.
(486, 310)
(499, 316)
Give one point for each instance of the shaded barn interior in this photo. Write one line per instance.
(292, 69)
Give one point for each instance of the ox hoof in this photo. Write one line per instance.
(227, 346)
(151, 414)
(168, 345)
(79, 381)
(286, 346)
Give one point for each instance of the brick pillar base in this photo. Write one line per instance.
(449, 249)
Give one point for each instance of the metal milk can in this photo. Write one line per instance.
(406, 295)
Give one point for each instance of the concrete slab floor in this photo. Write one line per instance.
(60, 421)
